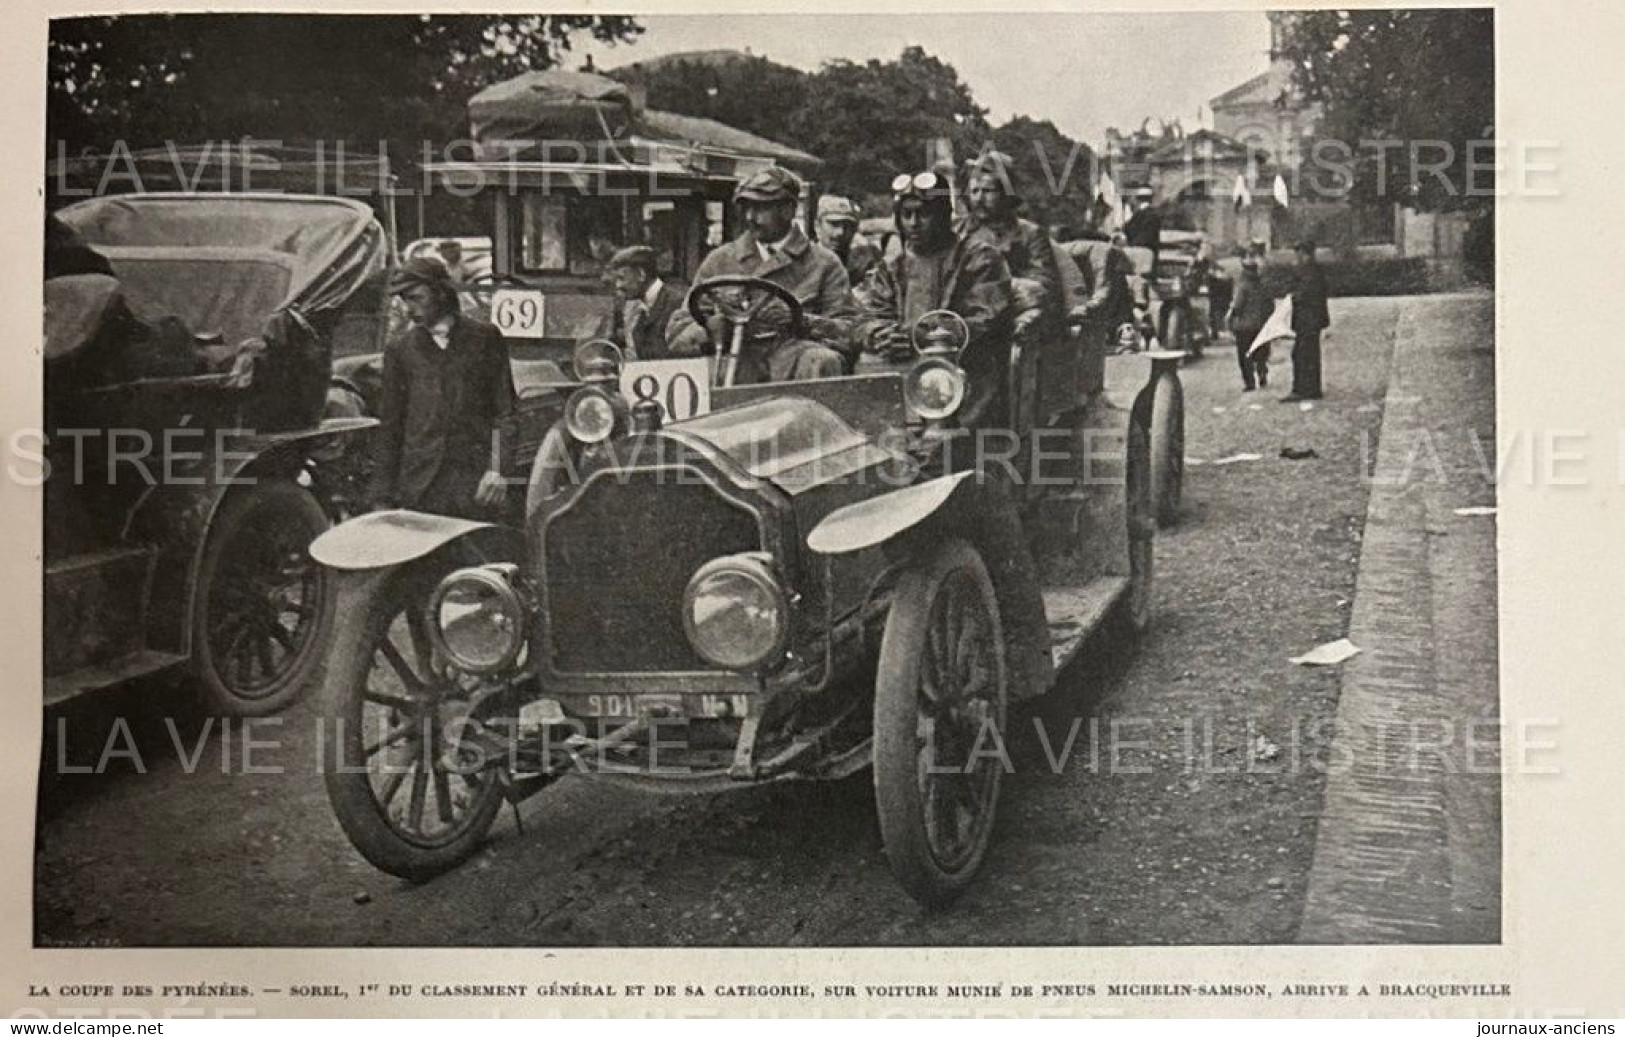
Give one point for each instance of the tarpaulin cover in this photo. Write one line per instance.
(582, 106)
(551, 105)
(692, 129)
(226, 263)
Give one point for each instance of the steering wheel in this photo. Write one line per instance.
(740, 299)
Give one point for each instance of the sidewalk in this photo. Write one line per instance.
(1409, 842)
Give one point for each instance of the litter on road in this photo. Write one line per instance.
(1328, 654)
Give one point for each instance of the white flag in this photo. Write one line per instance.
(1277, 328)
(1107, 191)
(1241, 195)
(1280, 190)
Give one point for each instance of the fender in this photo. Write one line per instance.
(907, 522)
(390, 539)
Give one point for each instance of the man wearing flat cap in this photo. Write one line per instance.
(838, 232)
(774, 249)
(643, 304)
(445, 385)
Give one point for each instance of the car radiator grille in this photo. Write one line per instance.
(617, 562)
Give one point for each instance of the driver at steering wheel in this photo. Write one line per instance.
(774, 249)
(940, 270)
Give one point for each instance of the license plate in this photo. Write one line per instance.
(519, 312)
(623, 706)
(682, 387)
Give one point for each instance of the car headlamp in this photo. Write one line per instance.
(477, 618)
(591, 415)
(735, 613)
(934, 388)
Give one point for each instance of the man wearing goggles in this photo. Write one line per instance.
(938, 270)
(774, 249)
(992, 205)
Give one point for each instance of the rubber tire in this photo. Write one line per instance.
(301, 507)
(896, 725)
(1167, 434)
(1134, 616)
(348, 790)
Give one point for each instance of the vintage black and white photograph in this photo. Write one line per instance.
(659, 480)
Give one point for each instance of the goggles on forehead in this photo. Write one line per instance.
(917, 183)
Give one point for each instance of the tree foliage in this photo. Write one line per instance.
(147, 79)
(745, 91)
(1422, 81)
(1053, 172)
(872, 120)
(405, 79)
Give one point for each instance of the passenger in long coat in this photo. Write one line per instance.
(936, 270)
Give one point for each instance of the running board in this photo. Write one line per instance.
(1076, 612)
(94, 678)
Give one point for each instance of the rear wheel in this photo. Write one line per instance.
(1140, 514)
(406, 788)
(940, 703)
(263, 608)
(1167, 446)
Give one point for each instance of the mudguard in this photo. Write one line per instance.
(908, 521)
(389, 539)
(869, 523)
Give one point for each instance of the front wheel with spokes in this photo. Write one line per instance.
(941, 695)
(407, 784)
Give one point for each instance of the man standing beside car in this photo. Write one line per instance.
(774, 249)
(446, 384)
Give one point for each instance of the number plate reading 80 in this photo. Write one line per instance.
(681, 387)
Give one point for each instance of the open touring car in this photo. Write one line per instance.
(781, 580)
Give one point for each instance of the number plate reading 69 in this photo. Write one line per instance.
(519, 312)
(681, 387)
